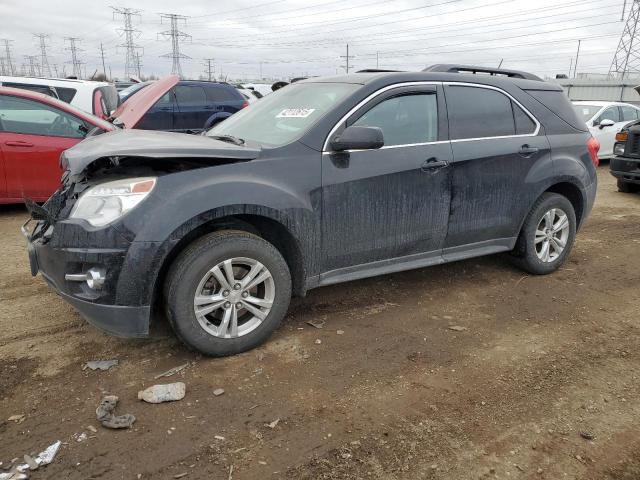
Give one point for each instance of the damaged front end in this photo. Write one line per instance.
(80, 242)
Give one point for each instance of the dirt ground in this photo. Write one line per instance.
(396, 395)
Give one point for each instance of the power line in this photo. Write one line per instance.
(132, 59)
(44, 61)
(75, 60)
(176, 35)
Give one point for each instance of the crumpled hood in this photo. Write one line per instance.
(152, 144)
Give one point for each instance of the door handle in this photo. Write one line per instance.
(432, 164)
(18, 143)
(527, 151)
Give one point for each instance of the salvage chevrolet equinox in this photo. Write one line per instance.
(326, 180)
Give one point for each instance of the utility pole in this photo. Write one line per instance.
(138, 64)
(132, 50)
(209, 70)
(377, 60)
(627, 57)
(33, 65)
(11, 69)
(575, 65)
(104, 68)
(44, 61)
(176, 35)
(347, 57)
(570, 66)
(2, 70)
(75, 60)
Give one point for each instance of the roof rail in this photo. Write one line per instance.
(453, 68)
(374, 70)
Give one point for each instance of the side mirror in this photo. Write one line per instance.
(358, 138)
(606, 123)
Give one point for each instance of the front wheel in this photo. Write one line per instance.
(227, 292)
(547, 235)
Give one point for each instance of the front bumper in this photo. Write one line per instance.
(100, 307)
(626, 169)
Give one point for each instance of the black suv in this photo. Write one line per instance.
(324, 181)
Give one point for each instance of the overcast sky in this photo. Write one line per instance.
(284, 38)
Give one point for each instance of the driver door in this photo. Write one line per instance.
(32, 138)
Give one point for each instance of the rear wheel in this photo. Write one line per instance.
(547, 235)
(227, 292)
(626, 187)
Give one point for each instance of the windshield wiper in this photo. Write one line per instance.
(228, 138)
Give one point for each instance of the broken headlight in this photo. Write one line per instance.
(107, 202)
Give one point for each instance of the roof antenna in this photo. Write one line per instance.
(500, 64)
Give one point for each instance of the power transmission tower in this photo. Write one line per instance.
(33, 65)
(627, 57)
(11, 69)
(44, 61)
(347, 57)
(209, 70)
(75, 60)
(176, 35)
(132, 55)
(2, 70)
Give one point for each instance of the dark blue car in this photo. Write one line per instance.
(190, 106)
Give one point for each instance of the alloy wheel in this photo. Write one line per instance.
(234, 297)
(552, 234)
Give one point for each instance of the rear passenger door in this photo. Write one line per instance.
(191, 112)
(497, 146)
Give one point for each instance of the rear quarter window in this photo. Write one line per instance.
(558, 102)
(219, 93)
(65, 94)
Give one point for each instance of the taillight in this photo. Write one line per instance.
(245, 104)
(593, 146)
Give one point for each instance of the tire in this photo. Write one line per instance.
(528, 251)
(626, 187)
(214, 333)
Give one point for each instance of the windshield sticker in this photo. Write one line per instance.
(295, 113)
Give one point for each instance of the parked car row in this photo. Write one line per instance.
(326, 180)
(35, 128)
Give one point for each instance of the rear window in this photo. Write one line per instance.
(558, 103)
(110, 97)
(219, 93)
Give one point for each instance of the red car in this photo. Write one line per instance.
(36, 128)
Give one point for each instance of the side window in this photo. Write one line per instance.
(220, 94)
(188, 95)
(611, 113)
(19, 115)
(476, 112)
(405, 119)
(629, 113)
(524, 123)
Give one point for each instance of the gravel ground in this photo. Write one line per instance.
(543, 363)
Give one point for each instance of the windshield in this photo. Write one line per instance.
(586, 112)
(127, 92)
(283, 116)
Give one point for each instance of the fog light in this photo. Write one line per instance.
(94, 277)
